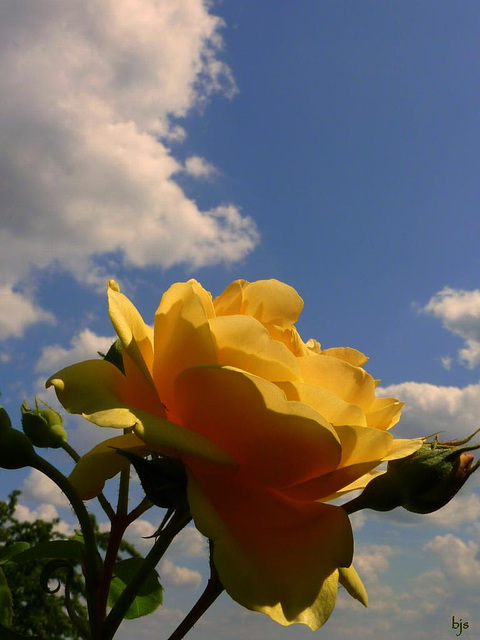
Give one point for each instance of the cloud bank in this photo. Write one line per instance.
(459, 312)
(92, 92)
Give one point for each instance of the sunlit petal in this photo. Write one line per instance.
(330, 406)
(352, 384)
(243, 342)
(182, 335)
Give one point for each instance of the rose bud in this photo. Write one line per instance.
(43, 426)
(423, 482)
(16, 450)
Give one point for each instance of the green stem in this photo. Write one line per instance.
(116, 615)
(106, 506)
(213, 589)
(92, 577)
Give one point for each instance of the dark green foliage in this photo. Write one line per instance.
(35, 612)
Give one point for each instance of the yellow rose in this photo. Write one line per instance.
(269, 428)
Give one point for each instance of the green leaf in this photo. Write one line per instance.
(6, 603)
(8, 634)
(71, 549)
(8, 551)
(150, 594)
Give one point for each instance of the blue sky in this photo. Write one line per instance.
(331, 145)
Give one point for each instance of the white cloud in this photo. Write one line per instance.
(85, 345)
(371, 560)
(458, 558)
(38, 487)
(459, 311)
(139, 532)
(189, 543)
(199, 167)
(46, 512)
(430, 408)
(17, 312)
(463, 509)
(179, 576)
(446, 363)
(85, 169)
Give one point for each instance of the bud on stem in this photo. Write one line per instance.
(423, 482)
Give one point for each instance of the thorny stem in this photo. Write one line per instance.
(117, 613)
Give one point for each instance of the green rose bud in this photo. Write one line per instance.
(44, 426)
(16, 450)
(422, 482)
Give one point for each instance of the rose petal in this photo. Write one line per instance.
(273, 440)
(230, 301)
(136, 337)
(330, 406)
(356, 485)
(272, 554)
(102, 463)
(243, 342)
(384, 413)
(97, 385)
(272, 302)
(182, 336)
(363, 449)
(352, 356)
(350, 383)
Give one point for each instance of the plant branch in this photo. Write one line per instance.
(116, 615)
(92, 577)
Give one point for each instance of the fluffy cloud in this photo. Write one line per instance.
(199, 167)
(459, 311)
(189, 543)
(38, 488)
(459, 559)
(84, 345)
(463, 509)
(179, 576)
(371, 560)
(46, 512)
(85, 166)
(17, 312)
(430, 408)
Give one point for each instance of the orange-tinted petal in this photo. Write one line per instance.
(182, 336)
(273, 440)
(243, 342)
(230, 301)
(272, 554)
